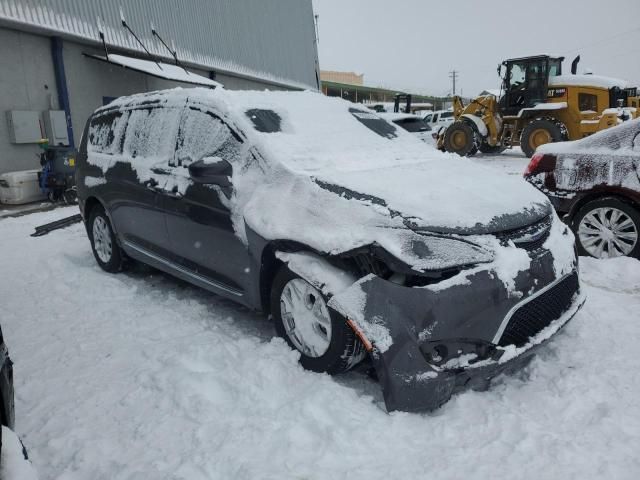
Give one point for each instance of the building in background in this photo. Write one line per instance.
(350, 86)
(55, 71)
(350, 78)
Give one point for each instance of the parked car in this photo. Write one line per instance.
(354, 237)
(594, 183)
(412, 124)
(6, 388)
(439, 118)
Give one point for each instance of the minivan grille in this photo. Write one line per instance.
(534, 316)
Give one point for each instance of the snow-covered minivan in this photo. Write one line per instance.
(356, 239)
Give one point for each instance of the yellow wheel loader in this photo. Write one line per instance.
(538, 105)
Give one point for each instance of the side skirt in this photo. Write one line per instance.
(143, 255)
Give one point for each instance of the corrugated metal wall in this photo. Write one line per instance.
(272, 40)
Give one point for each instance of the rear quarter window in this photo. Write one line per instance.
(106, 132)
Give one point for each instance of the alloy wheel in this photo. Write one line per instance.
(607, 232)
(102, 239)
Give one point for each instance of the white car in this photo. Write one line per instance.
(411, 123)
(439, 118)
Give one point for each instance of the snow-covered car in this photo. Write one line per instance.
(7, 416)
(353, 236)
(14, 464)
(412, 124)
(595, 183)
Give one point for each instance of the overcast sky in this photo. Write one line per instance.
(413, 44)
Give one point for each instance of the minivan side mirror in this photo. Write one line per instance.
(212, 170)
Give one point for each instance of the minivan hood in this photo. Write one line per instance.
(452, 195)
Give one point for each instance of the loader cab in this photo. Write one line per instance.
(525, 81)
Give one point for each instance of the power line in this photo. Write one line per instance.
(605, 40)
(453, 75)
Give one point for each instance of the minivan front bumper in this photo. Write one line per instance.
(427, 388)
(430, 342)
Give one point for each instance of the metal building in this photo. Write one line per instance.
(61, 59)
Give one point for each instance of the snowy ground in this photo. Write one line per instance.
(140, 376)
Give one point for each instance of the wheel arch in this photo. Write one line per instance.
(270, 264)
(476, 123)
(89, 205)
(624, 195)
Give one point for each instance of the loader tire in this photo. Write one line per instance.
(537, 133)
(460, 138)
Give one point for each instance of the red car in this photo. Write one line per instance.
(594, 183)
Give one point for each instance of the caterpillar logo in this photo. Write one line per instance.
(556, 92)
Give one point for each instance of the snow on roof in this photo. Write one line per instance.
(159, 69)
(588, 81)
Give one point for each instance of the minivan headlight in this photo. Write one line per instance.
(430, 257)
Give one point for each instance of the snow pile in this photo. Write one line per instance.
(151, 378)
(196, 388)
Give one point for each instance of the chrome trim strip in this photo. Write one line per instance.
(510, 313)
(182, 270)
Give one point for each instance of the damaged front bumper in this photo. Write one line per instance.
(430, 342)
(428, 387)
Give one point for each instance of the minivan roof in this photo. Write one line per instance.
(316, 131)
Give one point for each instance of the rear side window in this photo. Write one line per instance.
(151, 133)
(106, 132)
(203, 134)
(266, 121)
(446, 115)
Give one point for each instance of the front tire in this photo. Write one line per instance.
(606, 228)
(537, 133)
(105, 247)
(301, 316)
(460, 138)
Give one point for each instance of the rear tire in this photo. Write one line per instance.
(105, 247)
(537, 133)
(333, 354)
(620, 221)
(460, 138)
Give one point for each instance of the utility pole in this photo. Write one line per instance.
(453, 75)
